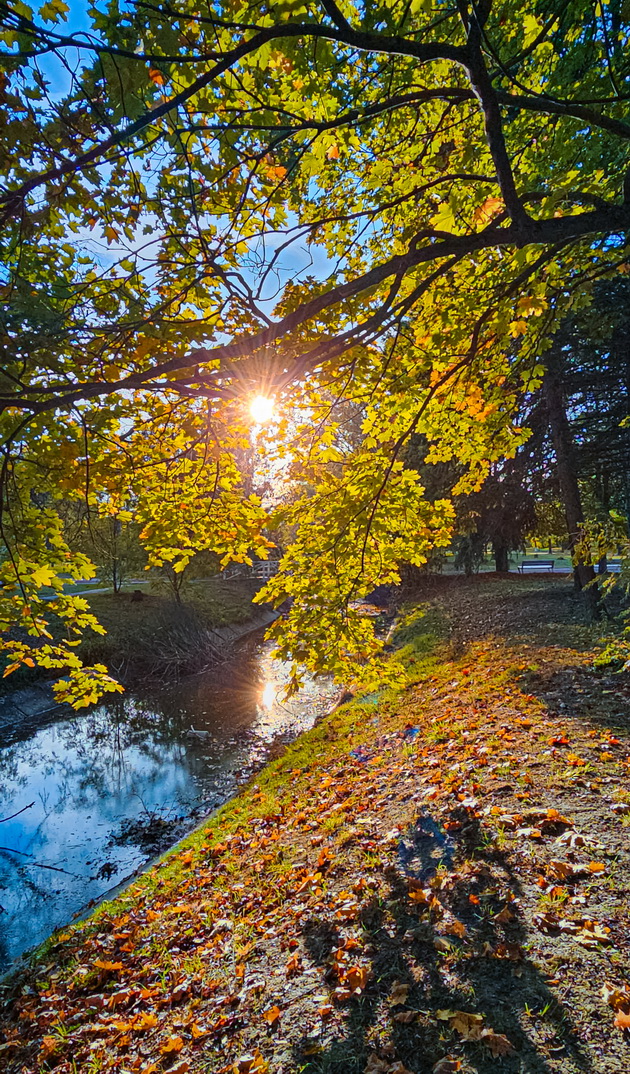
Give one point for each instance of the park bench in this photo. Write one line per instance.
(613, 568)
(530, 565)
(265, 569)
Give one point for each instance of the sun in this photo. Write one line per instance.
(261, 409)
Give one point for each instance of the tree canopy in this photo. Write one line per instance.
(378, 209)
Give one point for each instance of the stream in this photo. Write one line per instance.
(108, 789)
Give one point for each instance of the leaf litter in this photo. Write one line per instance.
(380, 901)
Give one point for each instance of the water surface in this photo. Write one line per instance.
(105, 790)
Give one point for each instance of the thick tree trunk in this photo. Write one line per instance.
(569, 487)
(501, 562)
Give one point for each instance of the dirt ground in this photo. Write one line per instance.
(434, 879)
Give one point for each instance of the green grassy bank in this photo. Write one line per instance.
(432, 879)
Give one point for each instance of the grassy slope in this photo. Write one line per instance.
(390, 895)
(155, 637)
(158, 632)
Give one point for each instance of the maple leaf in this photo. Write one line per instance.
(272, 1015)
(560, 870)
(457, 928)
(147, 1021)
(496, 1042)
(333, 152)
(399, 993)
(469, 1026)
(49, 1046)
(487, 210)
(251, 1064)
(172, 1046)
(617, 998)
(356, 978)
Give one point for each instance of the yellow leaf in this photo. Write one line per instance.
(147, 1021)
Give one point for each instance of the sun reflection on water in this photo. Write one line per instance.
(268, 695)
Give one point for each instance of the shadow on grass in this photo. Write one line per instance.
(487, 972)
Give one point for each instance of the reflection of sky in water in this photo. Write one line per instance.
(167, 752)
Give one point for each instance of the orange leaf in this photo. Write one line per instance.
(49, 1047)
(356, 978)
(458, 928)
(111, 967)
(294, 965)
(487, 209)
(250, 1064)
(156, 76)
(333, 152)
(272, 1015)
(147, 1021)
(622, 1020)
(596, 867)
(172, 1046)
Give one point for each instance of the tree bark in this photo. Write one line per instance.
(584, 573)
(501, 561)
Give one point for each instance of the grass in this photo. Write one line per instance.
(155, 636)
(299, 895)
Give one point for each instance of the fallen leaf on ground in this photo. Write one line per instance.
(172, 1046)
(447, 1066)
(496, 1042)
(399, 993)
(467, 1025)
(251, 1064)
(272, 1015)
(560, 870)
(376, 1065)
(617, 998)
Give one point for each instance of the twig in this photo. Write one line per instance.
(5, 819)
(53, 868)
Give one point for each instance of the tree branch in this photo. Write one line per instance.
(237, 361)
